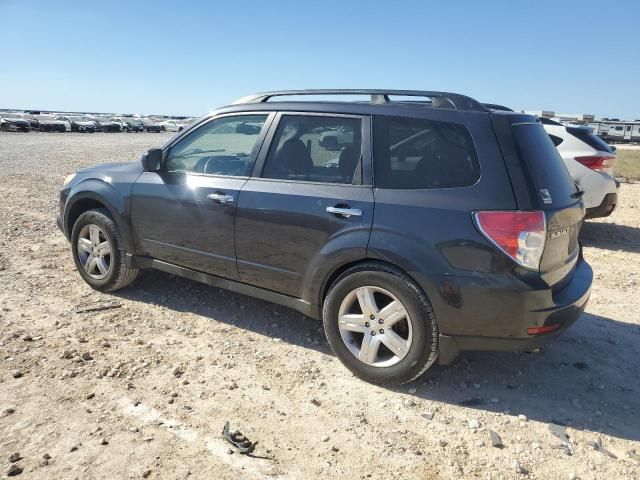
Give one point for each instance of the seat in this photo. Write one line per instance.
(442, 164)
(291, 160)
(348, 162)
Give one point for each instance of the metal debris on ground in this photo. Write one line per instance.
(238, 440)
(496, 441)
(633, 455)
(97, 307)
(560, 432)
(597, 446)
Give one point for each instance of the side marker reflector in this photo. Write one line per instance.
(541, 330)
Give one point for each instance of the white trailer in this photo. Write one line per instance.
(617, 131)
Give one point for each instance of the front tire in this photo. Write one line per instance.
(380, 324)
(99, 252)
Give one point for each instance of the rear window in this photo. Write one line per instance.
(418, 153)
(555, 185)
(590, 138)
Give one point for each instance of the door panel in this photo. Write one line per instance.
(184, 214)
(286, 239)
(283, 227)
(175, 221)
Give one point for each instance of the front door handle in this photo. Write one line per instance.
(345, 212)
(220, 197)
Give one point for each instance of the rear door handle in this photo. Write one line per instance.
(345, 212)
(220, 197)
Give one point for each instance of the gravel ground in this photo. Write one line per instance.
(143, 389)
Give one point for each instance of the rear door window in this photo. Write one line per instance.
(413, 153)
(316, 149)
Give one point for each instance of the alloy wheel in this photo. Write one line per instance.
(375, 326)
(94, 251)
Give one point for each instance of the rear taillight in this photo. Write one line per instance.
(521, 235)
(600, 163)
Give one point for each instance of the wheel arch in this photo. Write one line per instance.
(82, 201)
(340, 269)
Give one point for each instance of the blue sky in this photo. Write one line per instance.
(188, 57)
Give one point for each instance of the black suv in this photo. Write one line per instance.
(415, 224)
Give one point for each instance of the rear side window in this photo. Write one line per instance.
(590, 138)
(545, 165)
(418, 153)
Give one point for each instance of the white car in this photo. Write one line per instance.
(336, 138)
(172, 126)
(590, 162)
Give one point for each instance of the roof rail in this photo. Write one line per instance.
(439, 99)
(495, 106)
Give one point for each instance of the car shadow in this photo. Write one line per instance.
(610, 236)
(587, 378)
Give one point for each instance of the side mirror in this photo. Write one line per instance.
(152, 160)
(613, 148)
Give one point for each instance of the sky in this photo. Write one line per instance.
(189, 57)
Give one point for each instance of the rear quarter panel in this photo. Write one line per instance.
(431, 235)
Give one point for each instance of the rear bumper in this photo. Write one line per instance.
(605, 209)
(562, 310)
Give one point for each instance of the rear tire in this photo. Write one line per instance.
(94, 234)
(410, 344)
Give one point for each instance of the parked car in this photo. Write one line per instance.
(590, 163)
(404, 250)
(79, 124)
(34, 124)
(151, 126)
(108, 126)
(172, 126)
(49, 124)
(13, 123)
(129, 124)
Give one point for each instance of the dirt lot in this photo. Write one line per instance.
(628, 161)
(143, 389)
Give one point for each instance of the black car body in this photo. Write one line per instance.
(150, 126)
(13, 123)
(34, 123)
(472, 208)
(47, 124)
(133, 125)
(109, 126)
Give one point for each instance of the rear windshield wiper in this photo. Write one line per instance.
(578, 194)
